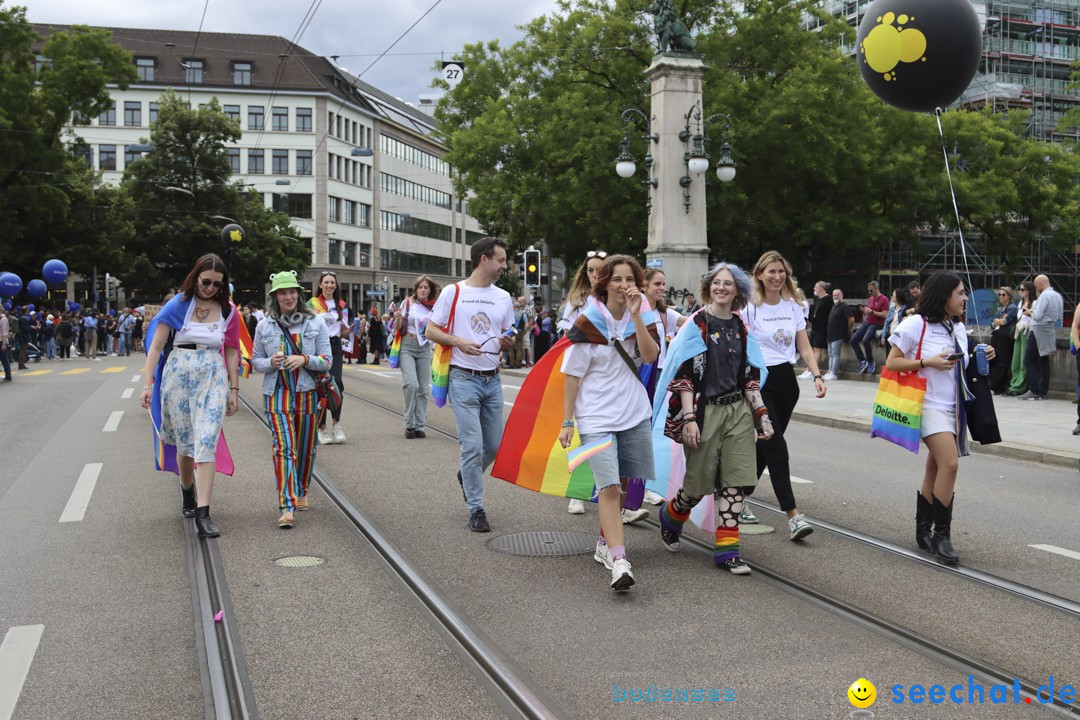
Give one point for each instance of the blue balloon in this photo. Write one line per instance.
(77, 307)
(10, 284)
(54, 271)
(31, 307)
(7, 304)
(36, 288)
(112, 313)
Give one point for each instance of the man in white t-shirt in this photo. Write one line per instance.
(482, 314)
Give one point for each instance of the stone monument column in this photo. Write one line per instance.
(677, 239)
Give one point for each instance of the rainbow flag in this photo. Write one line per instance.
(531, 455)
(898, 409)
(395, 350)
(246, 348)
(440, 360)
(583, 452)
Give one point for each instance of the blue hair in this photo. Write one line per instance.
(742, 284)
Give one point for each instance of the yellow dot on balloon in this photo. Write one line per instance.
(912, 45)
(888, 18)
(902, 19)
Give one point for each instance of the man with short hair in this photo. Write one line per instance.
(691, 304)
(90, 347)
(5, 331)
(874, 312)
(840, 322)
(914, 289)
(1045, 313)
(482, 314)
(127, 323)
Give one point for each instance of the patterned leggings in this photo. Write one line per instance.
(292, 419)
(728, 505)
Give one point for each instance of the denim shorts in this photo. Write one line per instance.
(630, 455)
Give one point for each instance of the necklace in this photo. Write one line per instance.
(201, 313)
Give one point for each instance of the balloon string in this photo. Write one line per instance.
(956, 210)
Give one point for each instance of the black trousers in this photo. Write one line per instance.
(335, 372)
(781, 393)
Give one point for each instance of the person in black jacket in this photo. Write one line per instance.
(819, 325)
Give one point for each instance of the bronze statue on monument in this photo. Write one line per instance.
(671, 31)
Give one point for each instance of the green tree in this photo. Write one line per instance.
(184, 195)
(41, 183)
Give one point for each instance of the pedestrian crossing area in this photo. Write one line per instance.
(112, 370)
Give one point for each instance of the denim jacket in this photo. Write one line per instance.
(314, 343)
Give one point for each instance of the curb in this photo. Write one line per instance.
(1006, 450)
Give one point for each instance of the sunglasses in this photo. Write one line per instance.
(328, 272)
(206, 283)
(595, 254)
(1001, 294)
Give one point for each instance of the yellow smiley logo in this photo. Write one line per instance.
(862, 693)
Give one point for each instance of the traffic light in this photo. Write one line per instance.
(532, 268)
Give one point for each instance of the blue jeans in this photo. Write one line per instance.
(835, 348)
(478, 408)
(865, 334)
(415, 364)
(124, 345)
(5, 360)
(50, 348)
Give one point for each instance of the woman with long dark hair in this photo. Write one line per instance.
(776, 319)
(330, 308)
(1001, 338)
(669, 319)
(416, 351)
(192, 376)
(1018, 385)
(934, 343)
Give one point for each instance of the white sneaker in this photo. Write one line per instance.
(653, 498)
(325, 437)
(829, 376)
(576, 507)
(603, 554)
(339, 435)
(799, 527)
(806, 375)
(621, 577)
(633, 516)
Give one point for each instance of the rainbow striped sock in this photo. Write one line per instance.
(671, 520)
(727, 545)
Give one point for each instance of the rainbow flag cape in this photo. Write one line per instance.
(246, 349)
(440, 360)
(668, 455)
(530, 455)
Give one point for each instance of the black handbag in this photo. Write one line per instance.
(326, 388)
(981, 416)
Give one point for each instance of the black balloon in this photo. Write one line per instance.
(919, 54)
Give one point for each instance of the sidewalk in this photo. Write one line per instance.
(1037, 431)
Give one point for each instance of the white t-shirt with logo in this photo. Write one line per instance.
(940, 385)
(775, 328)
(333, 318)
(482, 316)
(418, 315)
(611, 397)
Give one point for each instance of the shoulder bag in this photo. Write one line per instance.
(898, 405)
(325, 386)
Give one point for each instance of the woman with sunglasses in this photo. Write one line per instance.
(290, 345)
(416, 351)
(1018, 385)
(192, 377)
(330, 308)
(1001, 339)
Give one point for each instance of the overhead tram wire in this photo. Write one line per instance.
(195, 47)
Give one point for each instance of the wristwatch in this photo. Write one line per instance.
(819, 377)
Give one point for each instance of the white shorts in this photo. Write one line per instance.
(937, 421)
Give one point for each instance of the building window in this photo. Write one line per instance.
(87, 154)
(106, 157)
(300, 205)
(256, 162)
(108, 117)
(330, 125)
(303, 119)
(152, 114)
(255, 117)
(130, 155)
(303, 162)
(77, 118)
(349, 212)
(241, 73)
(280, 162)
(280, 118)
(338, 134)
(193, 75)
(335, 251)
(335, 208)
(232, 112)
(363, 215)
(144, 68)
(234, 159)
(132, 114)
(41, 62)
(354, 125)
(350, 254)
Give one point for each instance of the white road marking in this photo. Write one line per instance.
(127, 393)
(80, 496)
(16, 655)
(796, 480)
(512, 387)
(1059, 551)
(137, 378)
(113, 422)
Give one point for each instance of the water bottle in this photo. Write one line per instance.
(982, 365)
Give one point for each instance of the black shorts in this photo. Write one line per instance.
(819, 339)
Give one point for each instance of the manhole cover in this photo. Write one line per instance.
(298, 561)
(757, 529)
(544, 544)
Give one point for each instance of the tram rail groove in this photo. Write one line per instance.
(512, 689)
(929, 648)
(1026, 592)
(227, 692)
(1054, 602)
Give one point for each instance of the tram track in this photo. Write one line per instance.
(923, 644)
(511, 688)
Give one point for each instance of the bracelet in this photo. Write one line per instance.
(237, 388)
(819, 377)
(921, 363)
(568, 423)
(147, 387)
(761, 411)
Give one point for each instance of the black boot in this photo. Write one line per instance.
(206, 526)
(924, 522)
(940, 541)
(189, 500)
